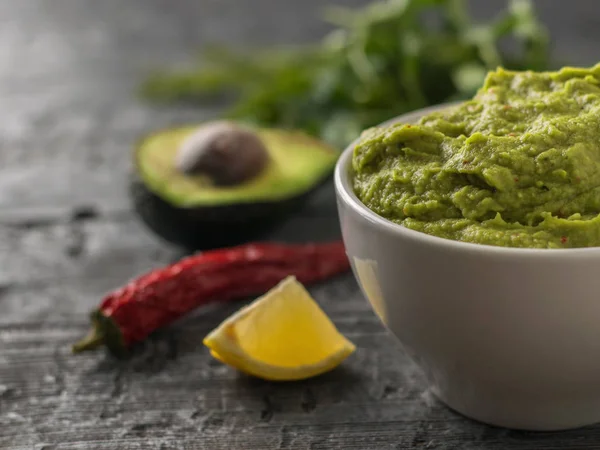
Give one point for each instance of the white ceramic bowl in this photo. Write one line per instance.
(506, 336)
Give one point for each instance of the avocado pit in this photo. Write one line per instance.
(225, 152)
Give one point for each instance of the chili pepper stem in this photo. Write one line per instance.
(103, 332)
(92, 341)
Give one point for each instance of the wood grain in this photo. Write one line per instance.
(69, 117)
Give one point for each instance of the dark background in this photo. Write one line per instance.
(68, 120)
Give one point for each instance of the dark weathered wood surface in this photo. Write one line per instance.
(68, 119)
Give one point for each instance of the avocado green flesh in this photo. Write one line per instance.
(298, 163)
(516, 166)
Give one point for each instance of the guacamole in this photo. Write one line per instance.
(516, 166)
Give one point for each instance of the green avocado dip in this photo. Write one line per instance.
(516, 166)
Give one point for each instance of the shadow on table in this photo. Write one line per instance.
(339, 423)
(493, 438)
(447, 429)
(303, 396)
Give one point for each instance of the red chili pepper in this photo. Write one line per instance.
(158, 298)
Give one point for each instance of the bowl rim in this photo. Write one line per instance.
(345, 193)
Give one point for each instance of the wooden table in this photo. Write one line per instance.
(69, 117)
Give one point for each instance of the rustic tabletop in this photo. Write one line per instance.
(69, 115)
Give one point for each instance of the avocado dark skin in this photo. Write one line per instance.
(215, 219)
(205, 228)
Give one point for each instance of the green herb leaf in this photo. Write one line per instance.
(381, 60)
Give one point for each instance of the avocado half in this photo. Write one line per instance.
(192, 212)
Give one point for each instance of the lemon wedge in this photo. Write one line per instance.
(283, 335)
